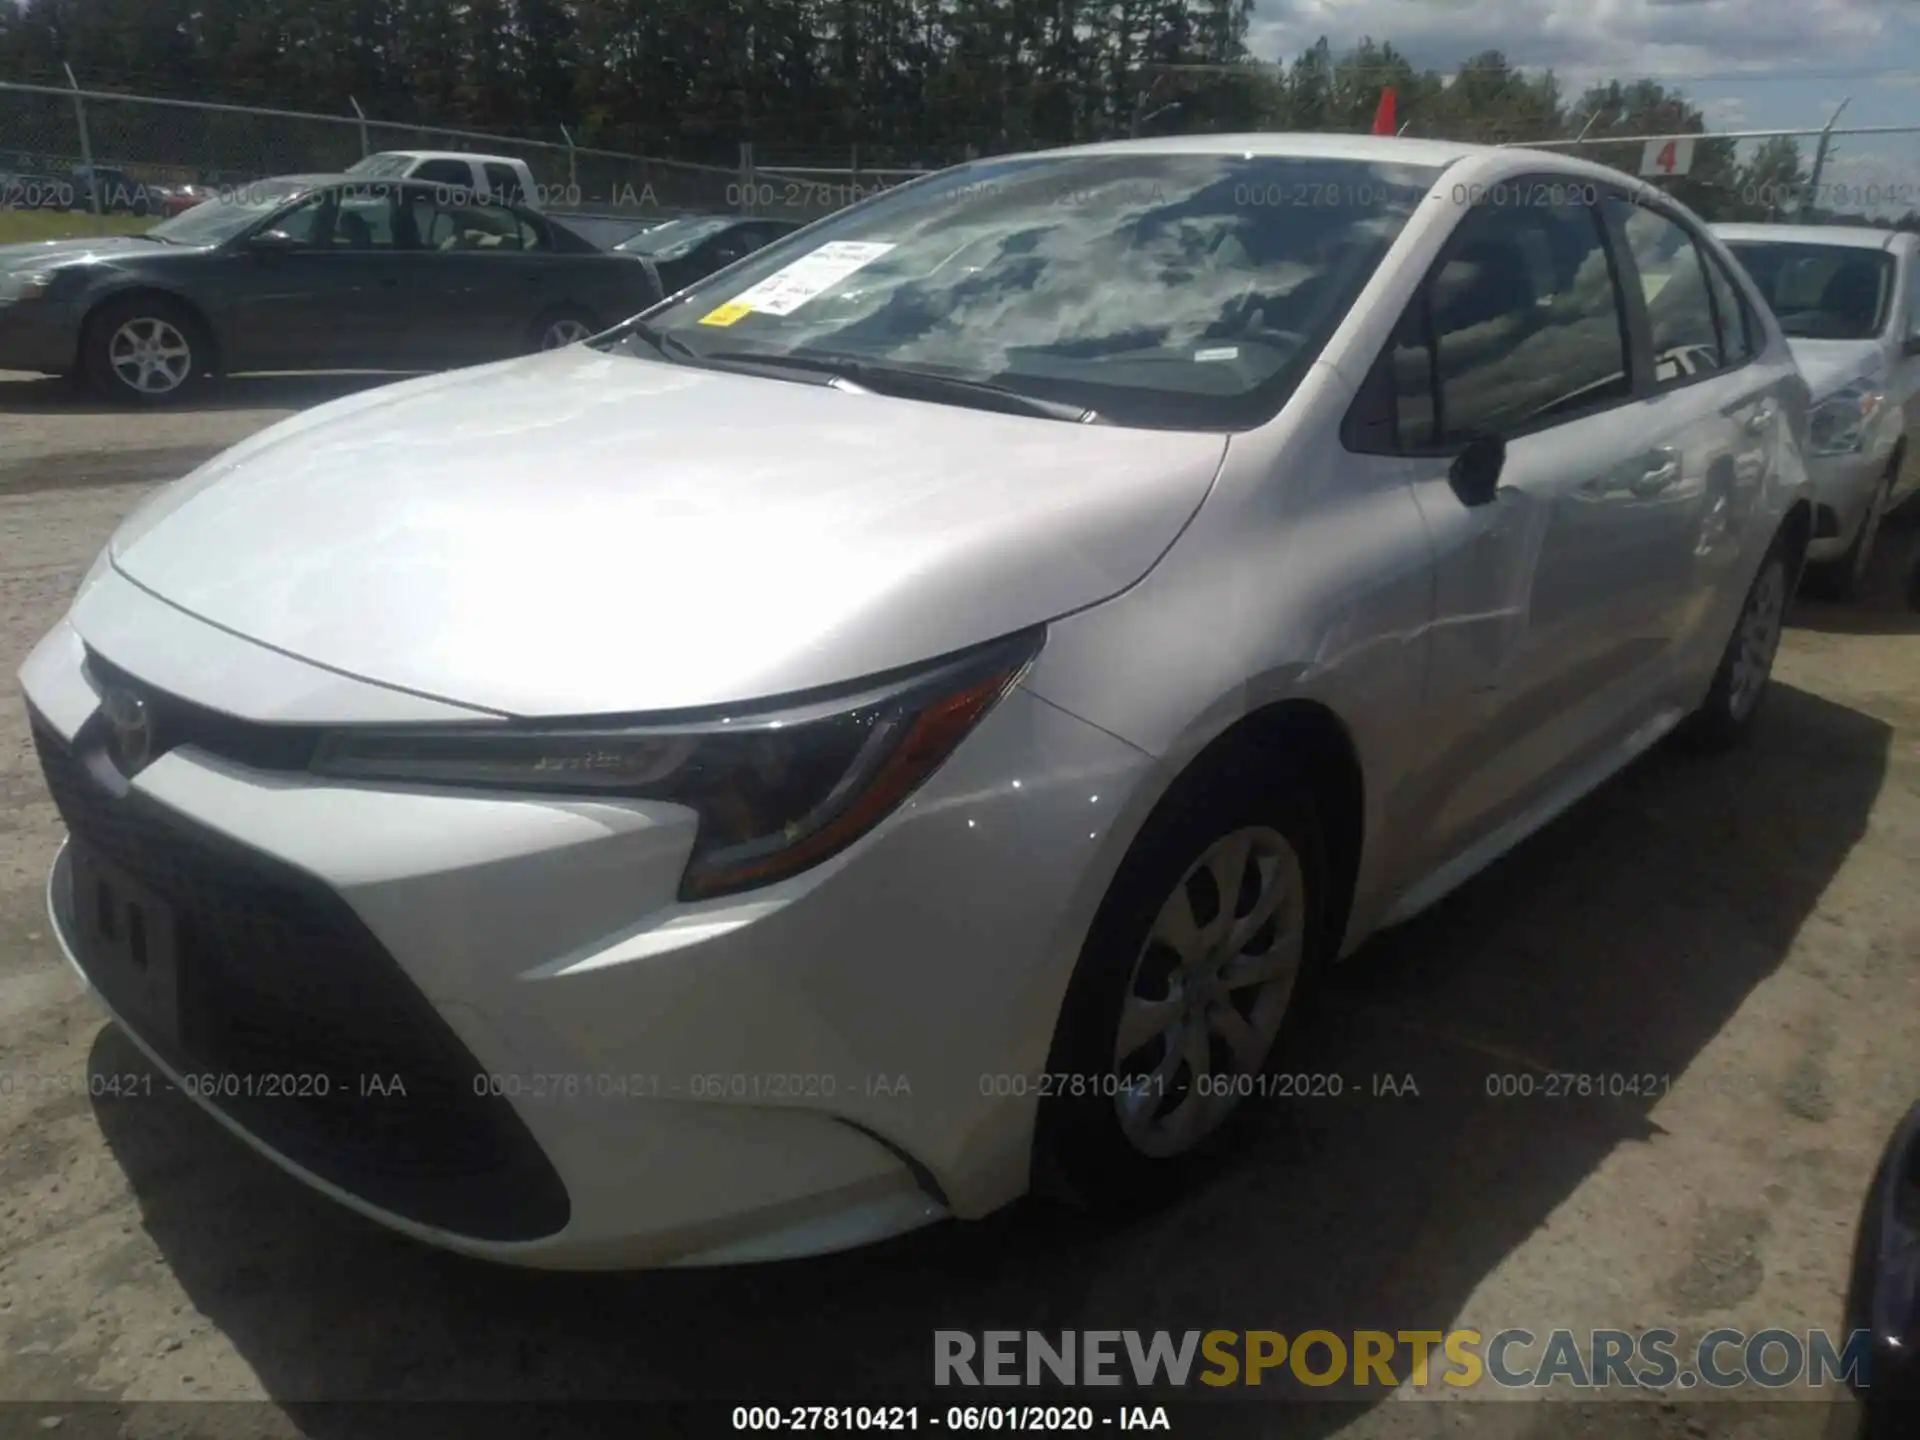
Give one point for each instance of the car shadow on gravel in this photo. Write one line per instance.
(55, 395)
(1617, 942)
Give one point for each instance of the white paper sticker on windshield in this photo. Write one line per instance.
(791, 286)
(1219, 352)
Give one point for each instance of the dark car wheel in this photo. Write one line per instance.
(560, 328)
(146, 350)
(1746, 666)
(1195, 979)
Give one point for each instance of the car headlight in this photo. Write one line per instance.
(1840, 423)
(25, 285)
(777, 791)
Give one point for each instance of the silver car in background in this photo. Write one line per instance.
(921, 707)
(1849, 301)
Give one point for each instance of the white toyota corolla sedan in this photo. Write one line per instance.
(913, 715)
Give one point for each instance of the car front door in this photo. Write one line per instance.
(282, 286)
(1549, 624)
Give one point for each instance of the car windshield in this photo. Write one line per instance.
(1185, 291)
(687, 230)
(381, 166)
(227, 213)
(1821, 292)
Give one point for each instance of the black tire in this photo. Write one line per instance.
(1726, 718)
(566, 315)
(1081, 1153)
(112, 380)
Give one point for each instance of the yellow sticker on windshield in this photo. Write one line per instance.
(726, 314)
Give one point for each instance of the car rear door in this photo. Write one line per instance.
(486, 265)
(1549, 623)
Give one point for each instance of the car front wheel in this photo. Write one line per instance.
(1193, 979)
(146, 351)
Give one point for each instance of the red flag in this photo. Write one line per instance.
(1383, 118)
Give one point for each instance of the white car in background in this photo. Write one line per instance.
(495, 177)
(1848, 301)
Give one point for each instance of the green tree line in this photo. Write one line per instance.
(904, 81)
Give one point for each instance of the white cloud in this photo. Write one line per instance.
(1585, 40)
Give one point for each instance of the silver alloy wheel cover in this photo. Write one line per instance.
(564, 332)
(1757, 639)
(150, 355)
(1171, 1094)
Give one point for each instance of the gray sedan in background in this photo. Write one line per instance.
(309, 272)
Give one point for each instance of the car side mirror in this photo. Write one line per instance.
(1475, 474)
(274, 242)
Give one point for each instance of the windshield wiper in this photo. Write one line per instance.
(906, 383)
(668, 345)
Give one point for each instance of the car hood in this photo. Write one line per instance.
(579, 532)
(39, 254)
(1830, 365)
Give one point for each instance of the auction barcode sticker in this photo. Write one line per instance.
(791, 286)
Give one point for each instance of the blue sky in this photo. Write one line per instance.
(1749, 64)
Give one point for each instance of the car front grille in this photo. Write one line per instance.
(279, 977)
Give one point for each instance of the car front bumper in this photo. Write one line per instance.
(593, 1074)
(1843, 485)
(39, 335)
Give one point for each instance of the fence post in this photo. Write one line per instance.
(853, 170)
(86, 142)
(748, 188)
(365, 148)
(1811, 199)
(573, 167)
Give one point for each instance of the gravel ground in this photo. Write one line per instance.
(1746, 926)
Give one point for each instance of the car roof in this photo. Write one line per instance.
(1865, 237)
(1307, 144)
(450, 155)
(1489, 163)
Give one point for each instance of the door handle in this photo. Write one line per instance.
(1758, 422)
(1657, 478)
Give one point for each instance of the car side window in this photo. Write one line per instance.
(1519, 325)
(363, 218)
(1674, 281)
(1738, 341)
(446, 172)
(504, 184)
(467, 225)
(303, 221)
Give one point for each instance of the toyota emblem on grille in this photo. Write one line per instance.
(132, 726)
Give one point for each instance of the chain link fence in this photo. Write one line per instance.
(1868, 175)
(50, 134)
